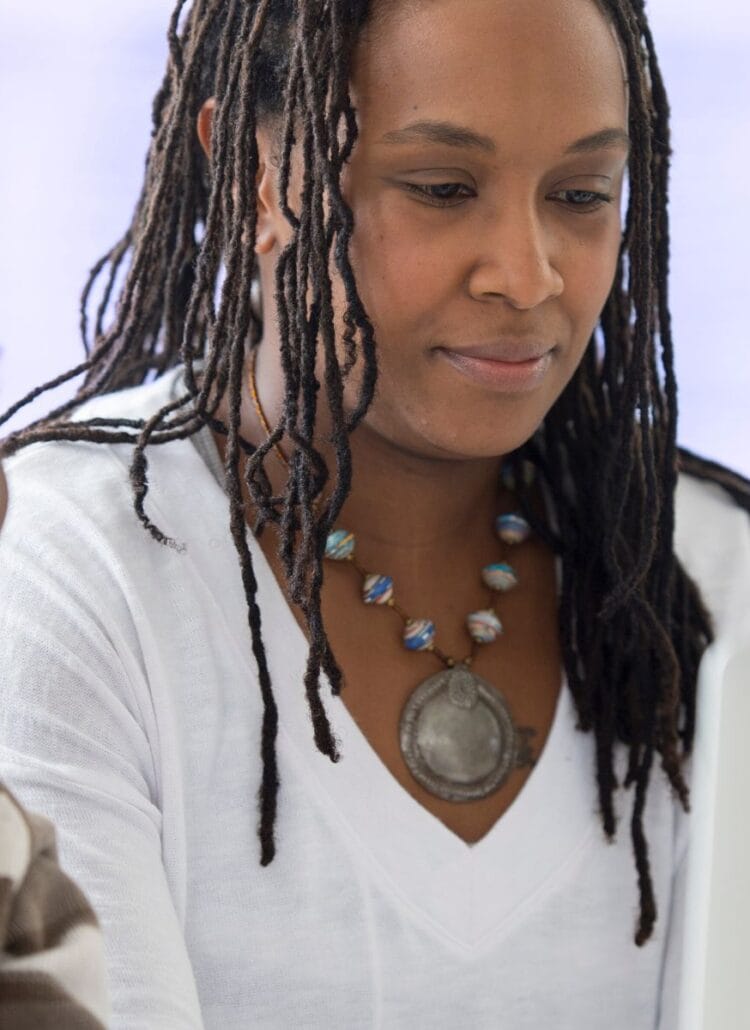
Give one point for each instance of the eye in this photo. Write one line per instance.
(445, 194)
(442, 194)
(591, 202)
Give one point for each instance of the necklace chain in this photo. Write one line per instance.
(259, 410)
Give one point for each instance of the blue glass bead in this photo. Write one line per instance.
(340, 544)
(512, 528)
(500, 576)
(377, 589)
(484, 626)
(418, 634)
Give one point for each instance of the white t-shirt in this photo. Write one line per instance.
(131, 716)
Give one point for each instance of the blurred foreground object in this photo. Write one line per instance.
(52, 971)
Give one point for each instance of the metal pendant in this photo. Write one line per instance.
(458, 737)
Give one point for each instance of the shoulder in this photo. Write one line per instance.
(72, 547)
(134, 404)
(77, 481)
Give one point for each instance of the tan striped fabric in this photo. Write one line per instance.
(52, 971)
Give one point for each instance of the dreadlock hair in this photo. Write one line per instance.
(632, 623)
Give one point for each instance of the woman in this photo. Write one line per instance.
(379, 307)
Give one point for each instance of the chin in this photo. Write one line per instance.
(478, 436)
(482, 450)
(451, 430)
(444, 444)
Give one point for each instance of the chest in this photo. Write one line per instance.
(374, 908)
(379, 675)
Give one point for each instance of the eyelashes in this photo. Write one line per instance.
(444, 195)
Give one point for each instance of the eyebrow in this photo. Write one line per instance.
(452, 135)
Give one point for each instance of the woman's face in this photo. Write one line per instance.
(475, 220)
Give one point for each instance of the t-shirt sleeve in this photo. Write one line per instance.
(79, 745)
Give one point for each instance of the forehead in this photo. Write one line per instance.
(528, 73)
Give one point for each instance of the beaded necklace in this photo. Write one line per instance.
(456, 732)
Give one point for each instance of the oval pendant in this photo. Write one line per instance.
(457, 735)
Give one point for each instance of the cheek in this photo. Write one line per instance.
(588, 273)
(411, 290)
(400, 279)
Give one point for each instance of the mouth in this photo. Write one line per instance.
(504, 367)
(507, 350)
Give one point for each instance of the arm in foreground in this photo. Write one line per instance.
(74, 748)
(52, 970)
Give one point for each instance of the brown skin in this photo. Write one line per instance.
(509, 255)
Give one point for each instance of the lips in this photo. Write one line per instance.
(507, 350)
(500, 375)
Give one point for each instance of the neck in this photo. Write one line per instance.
(405, 508)
(403, 501)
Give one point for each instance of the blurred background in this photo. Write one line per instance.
(76, 82)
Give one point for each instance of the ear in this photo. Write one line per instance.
(265, 236)
(265, 233)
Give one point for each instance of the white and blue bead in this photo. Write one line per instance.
(484, 626)
(419, 634)
(377, 589)
(500, 576)
(340, 545)
(512, 528)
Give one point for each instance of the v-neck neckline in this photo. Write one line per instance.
(467, 894)
(465, 891)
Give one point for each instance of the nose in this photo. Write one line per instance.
(513, 260)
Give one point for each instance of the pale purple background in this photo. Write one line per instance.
(76, 81)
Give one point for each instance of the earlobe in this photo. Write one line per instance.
(204, 125)
(264, 240)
